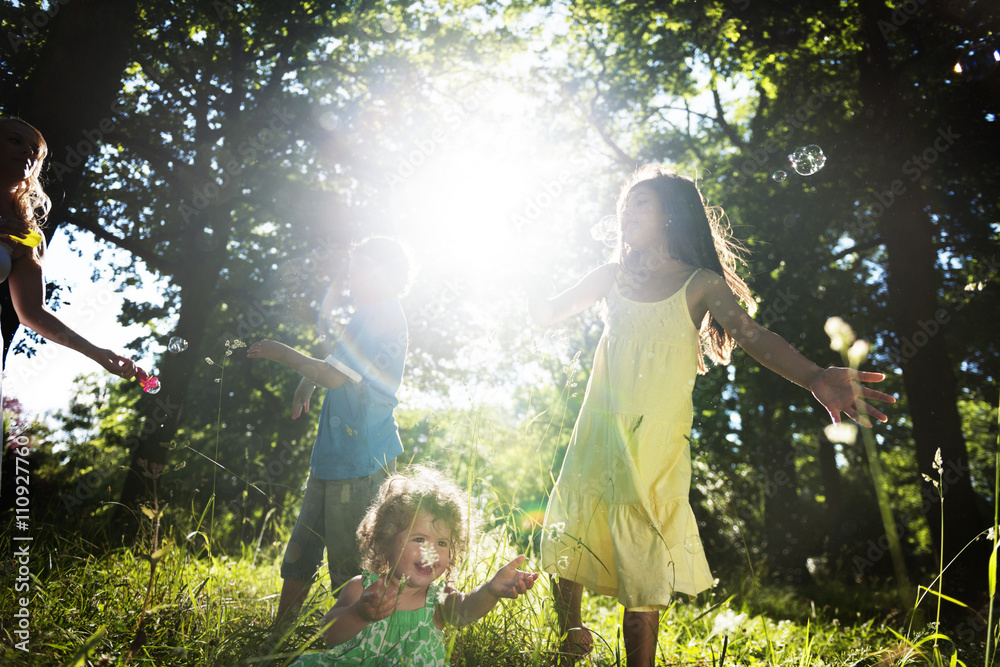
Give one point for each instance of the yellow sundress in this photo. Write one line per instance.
(619, 521)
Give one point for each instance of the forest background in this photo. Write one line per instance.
(235, 150)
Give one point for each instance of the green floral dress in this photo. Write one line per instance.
(407, 638)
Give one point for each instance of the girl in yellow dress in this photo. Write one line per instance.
(618, 521)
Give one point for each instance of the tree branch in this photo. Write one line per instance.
(720, 118)
(150, 257)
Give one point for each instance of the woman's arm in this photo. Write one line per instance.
(591, 289)
(356, 608)
(27, 292)
(312, 370)
(838, 389)
(465, 608)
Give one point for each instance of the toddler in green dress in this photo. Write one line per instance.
(395, 613)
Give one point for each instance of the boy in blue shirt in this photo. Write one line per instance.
(358, 441)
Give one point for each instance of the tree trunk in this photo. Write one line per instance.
(198, 279)
(904, 224)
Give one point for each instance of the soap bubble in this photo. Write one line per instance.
(807, 160)
(555, 342)
(150, 384)
(779, 175)
(388, 23)
(328, 121)
(693, 544)
(607, 231)
(177, 345)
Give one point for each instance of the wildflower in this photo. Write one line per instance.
(428, 556)
(442, 595)
(563, 562)
(727, 622)
(843, 433)
(857, 353)
(840, 333)
(556, 530)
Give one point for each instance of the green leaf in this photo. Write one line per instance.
(160, 553)
(80, 657)
(993, 569)
(943, 596)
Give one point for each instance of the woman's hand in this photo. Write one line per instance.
(840, 390)
(14, 227)
(118, 365)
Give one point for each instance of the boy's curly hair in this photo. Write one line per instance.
(401, 496)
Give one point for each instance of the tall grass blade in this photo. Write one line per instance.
(996, 541)
(942, 596)
(79, 659)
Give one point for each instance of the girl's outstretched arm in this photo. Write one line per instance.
(356, 608)
(592, 288)
(464, 608)
(838, 389)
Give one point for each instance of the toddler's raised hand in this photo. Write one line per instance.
(378, 601)
(510, 582)
(839, 390)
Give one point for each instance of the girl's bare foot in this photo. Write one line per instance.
(577, 643)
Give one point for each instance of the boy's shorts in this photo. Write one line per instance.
(331, 511)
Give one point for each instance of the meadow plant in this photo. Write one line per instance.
(854, 351)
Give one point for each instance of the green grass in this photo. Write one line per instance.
(188, 603)
(209, 609)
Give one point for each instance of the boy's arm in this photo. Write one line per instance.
(464, 608)
(313, 370)
(592, 288)
(838, 389)
(300, 400)
(357, 608)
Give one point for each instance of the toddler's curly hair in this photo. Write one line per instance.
(417, 489)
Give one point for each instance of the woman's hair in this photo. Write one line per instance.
(696, 235)
(30, 200)
(394, 261)
(401, 496)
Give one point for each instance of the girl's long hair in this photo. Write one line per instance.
(696, 235)
(30, 200)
